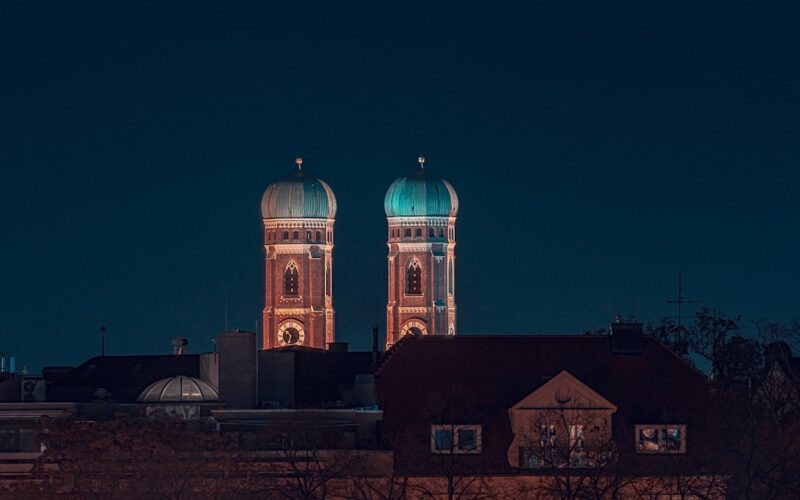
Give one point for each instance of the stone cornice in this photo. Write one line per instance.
(420, 221)
(297, 223)
(296, 248)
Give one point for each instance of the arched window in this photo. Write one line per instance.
(319, 237)
(419, 232)
(441, 233)
(408, 232)
(285, 235)
(308, 236)
(296, 235)
(290, 281)
(431, 232)
(414, 279)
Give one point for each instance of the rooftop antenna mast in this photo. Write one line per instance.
(226, 310)
(103, 340)
(679, 300)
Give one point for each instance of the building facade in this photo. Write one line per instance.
(421, 212)
(298, 216)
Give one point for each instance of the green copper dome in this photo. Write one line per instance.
(301, 196)
(421, 194)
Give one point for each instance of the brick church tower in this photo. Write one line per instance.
(421, 210)
(298, 215)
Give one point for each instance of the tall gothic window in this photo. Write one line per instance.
(290, 280)
(414, 279)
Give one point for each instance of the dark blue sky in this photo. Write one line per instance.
(597, 150)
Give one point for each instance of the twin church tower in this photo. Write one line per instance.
(298, 213)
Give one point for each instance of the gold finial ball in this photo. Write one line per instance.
(299, 162)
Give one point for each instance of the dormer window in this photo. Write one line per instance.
(661, 438)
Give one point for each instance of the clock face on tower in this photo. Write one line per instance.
(291, 333)
(414, 327)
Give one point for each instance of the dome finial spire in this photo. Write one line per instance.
(421, 161)
(299, 162)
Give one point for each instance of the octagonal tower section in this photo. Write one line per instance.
(421, 211)
(298, 214)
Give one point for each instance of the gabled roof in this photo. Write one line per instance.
(564, 390)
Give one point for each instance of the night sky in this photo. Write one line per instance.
(597, 150)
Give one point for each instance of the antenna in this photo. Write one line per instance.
(103, 340)
(680, 299)
(226, 310)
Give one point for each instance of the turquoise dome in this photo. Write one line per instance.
(421, 194)
(299, 195)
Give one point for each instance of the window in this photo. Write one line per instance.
(290, 280)
(319, 237)
(296, 235)
(19, 441)
(442, 439)
(419, 232)
(414, 279)
(660, 438)
(285, 235)
(577, 455)
(407, 232)
(308, 236)
(543, 455)
(456, 439)
(441, 233)
(431, 232)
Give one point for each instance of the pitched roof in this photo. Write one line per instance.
(485, 376)
(502, 370)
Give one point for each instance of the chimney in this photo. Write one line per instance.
(237, 370)
(374, 346)
(179, 346)
(626, 336)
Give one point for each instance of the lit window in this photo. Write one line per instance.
(460, 439)
(661, 438)
(290, 280)
(414, 279)
(543, 455)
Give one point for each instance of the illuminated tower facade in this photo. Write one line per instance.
(421, 210)
(298, 214)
